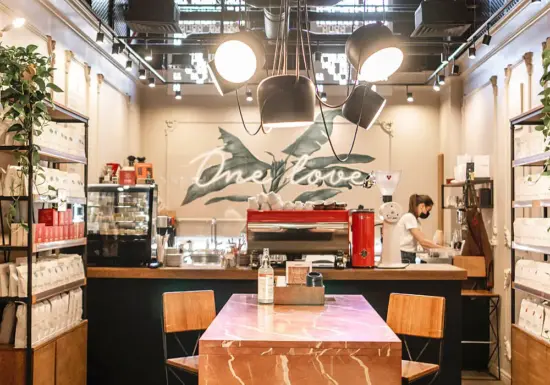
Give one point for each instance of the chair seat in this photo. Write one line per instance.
(478, 293)
(189, 364)
(412, 371)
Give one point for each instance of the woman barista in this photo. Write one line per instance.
(409, 229)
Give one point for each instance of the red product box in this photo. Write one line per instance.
(71, 232)
(69, 216)
(75, 226)
(38, 232)
(81, 230)
(65, 232)
(60, 218)
(48, 216)
(48, 230)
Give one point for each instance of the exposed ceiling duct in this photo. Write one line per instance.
(441, 19)
(161, 16)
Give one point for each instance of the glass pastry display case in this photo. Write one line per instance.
(121, 224)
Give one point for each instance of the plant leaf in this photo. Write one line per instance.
(231, 198)
(242, 163)
(31, 48)
(41, 83)
(318, 195)
(16, 127)
(53, 87)
(314, 137)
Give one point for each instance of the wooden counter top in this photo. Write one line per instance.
(422, 272)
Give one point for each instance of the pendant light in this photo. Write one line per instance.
(142, 75)
(436, 87)
(441, 80)
(152, 82)
(236, 60)
(363, 107)
(249, 97)
(286, 101)
(373, 51)
(100, 36)
(410, 97)
(472, 52)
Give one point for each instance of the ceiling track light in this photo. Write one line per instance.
(141, 74)
(152, 82)
(487, 39)
(129, 63)
(455, 69)
(410, 97)
(536, 1)
(18, 22)
(100, 36)
(436, 86)
(444, 58)
(249, 97)
(472, 52)
(178, 95)
(441, 80)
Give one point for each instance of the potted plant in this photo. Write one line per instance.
(26, 94)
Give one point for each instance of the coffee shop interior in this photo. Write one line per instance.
(271, 192)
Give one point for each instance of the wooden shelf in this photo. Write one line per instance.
(532, 117)
(531, 203)
(59, 244)
(533, 336)
(533, 160)
(474, 182)
(534, 249)
(47, 341)
(58, 290)
(62, 114)
(537, 293)
(48, 154)
(43, 199)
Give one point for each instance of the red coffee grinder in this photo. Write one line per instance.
(362, 234)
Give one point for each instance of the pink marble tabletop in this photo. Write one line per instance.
(345, 322)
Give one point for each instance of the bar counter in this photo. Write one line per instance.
(124, 309)
(423, 272)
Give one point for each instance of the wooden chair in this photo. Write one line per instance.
(417, 316)
(476, 268)
(183, 312)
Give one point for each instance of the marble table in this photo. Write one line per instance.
(343, 342)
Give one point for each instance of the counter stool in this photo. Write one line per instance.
(182, 312)
(417, 316)
(475, 268)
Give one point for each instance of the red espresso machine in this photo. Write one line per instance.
(362, 236)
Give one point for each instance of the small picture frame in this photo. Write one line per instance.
(296, 272)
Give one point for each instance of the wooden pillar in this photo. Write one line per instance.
(69, 56)
(528, 60)
(440, 182)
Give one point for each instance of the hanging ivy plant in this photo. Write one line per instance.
(545, 100)
(25, 94)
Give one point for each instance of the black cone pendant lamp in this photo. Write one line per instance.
(286, 101)
(373, 51)
(236, 60)
(363, 107)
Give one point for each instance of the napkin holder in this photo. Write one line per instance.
(299, 295)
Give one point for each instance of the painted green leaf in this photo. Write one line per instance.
(242, 162)
(317, 195)
(314, 137)
(231, 198)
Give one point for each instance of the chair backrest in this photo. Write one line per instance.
(474, 266)
(416, 315)
(188, 310)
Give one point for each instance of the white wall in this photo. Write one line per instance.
(479, 120)
(195, 130)
(111, 105)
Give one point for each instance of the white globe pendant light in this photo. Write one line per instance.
(374, 52)
(236, 61)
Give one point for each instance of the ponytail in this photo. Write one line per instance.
(416, 199)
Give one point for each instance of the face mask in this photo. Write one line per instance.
(424, 215)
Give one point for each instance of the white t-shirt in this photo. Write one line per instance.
(403, 234)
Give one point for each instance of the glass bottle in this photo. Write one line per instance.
(266, 276)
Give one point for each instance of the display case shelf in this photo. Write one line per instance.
(462, 184)
(537, 293)
(530, 248)
(48, 340)
(59, 244)
(48, 293)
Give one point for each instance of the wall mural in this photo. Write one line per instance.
(298, 165)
